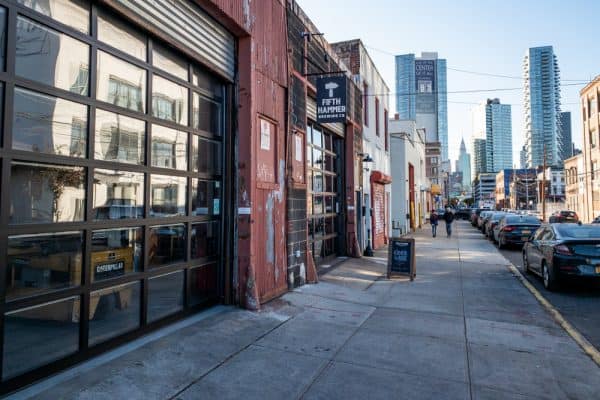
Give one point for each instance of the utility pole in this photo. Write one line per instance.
(544, 187)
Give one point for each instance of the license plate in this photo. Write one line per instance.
(525, 232)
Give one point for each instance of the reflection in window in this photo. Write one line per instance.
(114, 311)
(116, 252)
(167, 195)
(2, 38)
(206, 156)
(206, 115)
(169, 62)
(52, 58)
(205, 239)
(165, 295)
(120, 83)
(208, 82)
(115, 33)
(169, 148)
(46, 124)
(203, 284)
(118, 194)
(75, 13)
(167, 244)
(119, 138)
(42, 263)
(42, 193)
(38, 335)
(206, 197)
(169, 101)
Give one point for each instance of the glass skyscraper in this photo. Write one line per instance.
(542, 107)
(421, 87)
(492, 123)
(565, 135)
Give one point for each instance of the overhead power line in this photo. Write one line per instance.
(466, 71)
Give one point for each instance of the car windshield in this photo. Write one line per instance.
(497, 216)
(568, 214)
(521, 219)
(579, 231)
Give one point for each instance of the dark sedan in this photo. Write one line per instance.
(559, 251)
(491, 224)
(515, 229)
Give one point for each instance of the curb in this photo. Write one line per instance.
(585, 345)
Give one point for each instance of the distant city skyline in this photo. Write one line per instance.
(482, 55)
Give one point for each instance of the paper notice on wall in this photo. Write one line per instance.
(265, 135)
(299, 148)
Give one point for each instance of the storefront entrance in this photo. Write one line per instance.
(112, 190)
(324, 174)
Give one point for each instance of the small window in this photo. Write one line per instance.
(119, 35)
(366, 104)
(385, 129)
(377, 116)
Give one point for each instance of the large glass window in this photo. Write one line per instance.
(117, 34)
(119, 138)
(206, 115)
(206, 197)
(52, 58)
(2, 38)
(205, 239)
(169, 62)
(38, 335)
(203, 284)
(167, 244)
(165, 295)
(116, 252)
(167, 195)
(118, 194)
(206, 156)
(74, 13)
(46, 124)
(43, 262)
(120, 83)
(169, 101)
(114, 311)
(169, 148)
(46, 193)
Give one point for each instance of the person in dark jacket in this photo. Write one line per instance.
(433, 220)
(449, 218)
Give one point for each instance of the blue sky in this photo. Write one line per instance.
(481, 36)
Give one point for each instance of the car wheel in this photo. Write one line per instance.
(549, 278)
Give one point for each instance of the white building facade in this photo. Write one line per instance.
(410, 187)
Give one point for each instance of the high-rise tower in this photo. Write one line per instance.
(542, 107)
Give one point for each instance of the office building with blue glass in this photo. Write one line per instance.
(542, 107)
(421, 87)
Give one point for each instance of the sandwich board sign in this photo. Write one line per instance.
(401, 258)
(331, 99)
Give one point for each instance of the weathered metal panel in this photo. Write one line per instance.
(191, 27)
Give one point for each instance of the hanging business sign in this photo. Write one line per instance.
(331, 99)
(425, 86)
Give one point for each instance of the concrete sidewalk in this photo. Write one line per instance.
(464, 329)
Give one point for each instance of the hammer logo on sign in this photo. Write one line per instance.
(331, 86)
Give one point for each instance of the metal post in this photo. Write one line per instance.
(368, 250)
(544, 187)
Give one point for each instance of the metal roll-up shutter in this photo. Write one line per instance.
(311, 113)
(191, 27)
(311, 109)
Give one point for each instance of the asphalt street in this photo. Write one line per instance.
(578, 302)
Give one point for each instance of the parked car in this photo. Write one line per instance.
(558, 251)
(482, 217)
(475, 215)
(492, 222)
(563, 216)
(485, 220)
(515, 229)
(463, 213)
(596, 220)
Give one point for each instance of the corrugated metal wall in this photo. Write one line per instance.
(189, 26)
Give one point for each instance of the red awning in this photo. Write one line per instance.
(380, 177)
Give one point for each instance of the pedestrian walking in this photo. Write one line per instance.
(433, 220)
(449, 218)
